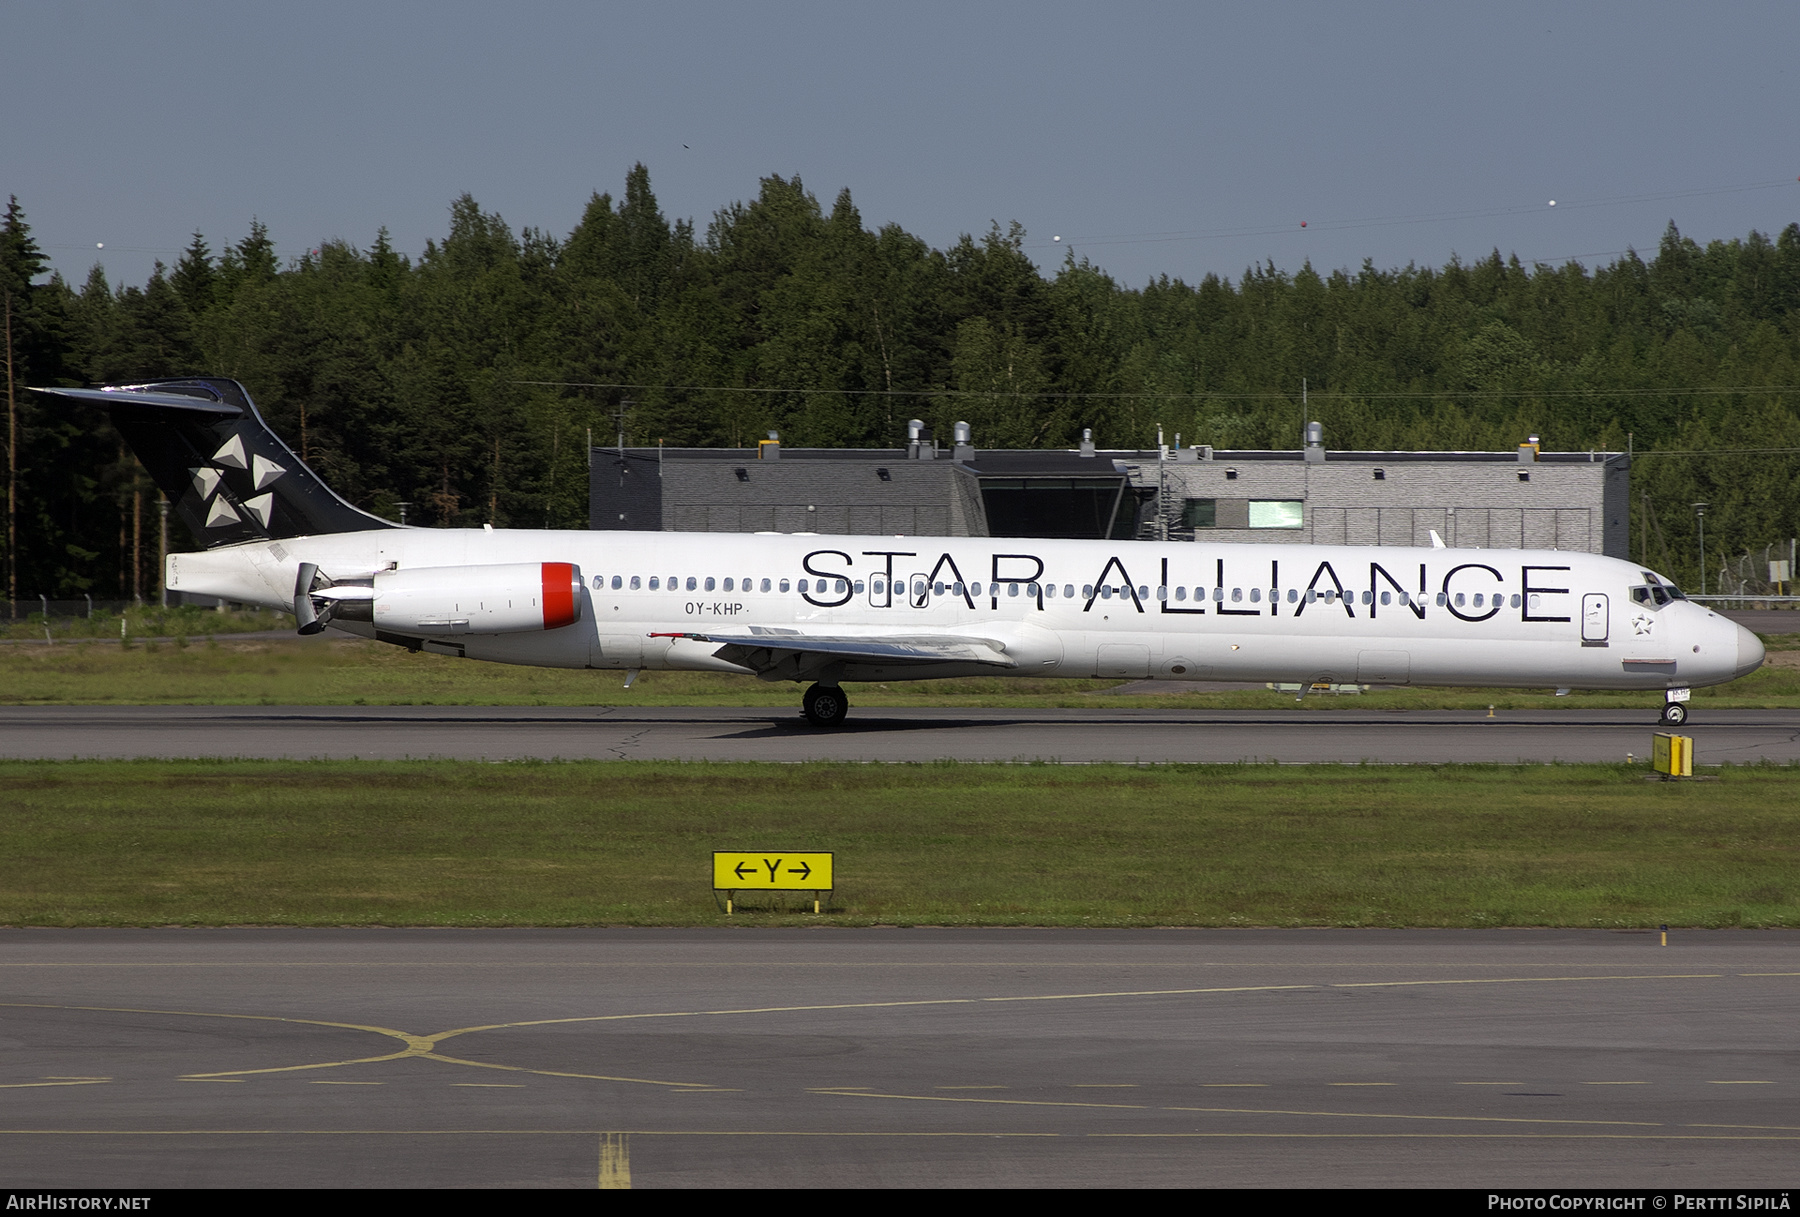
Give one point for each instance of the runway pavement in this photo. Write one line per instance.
(1071, 736)
(824, 1058)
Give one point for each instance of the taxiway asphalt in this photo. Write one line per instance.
(1102, 734)
(749, 1058)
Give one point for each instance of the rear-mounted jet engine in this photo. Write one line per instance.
(510, 598)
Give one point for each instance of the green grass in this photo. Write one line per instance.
(627, 843)
(320, 672)
(144, 621)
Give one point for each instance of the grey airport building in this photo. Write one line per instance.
(1525, 498)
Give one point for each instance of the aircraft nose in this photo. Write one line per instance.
(1749, 653)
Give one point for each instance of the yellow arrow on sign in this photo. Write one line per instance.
(805, 872)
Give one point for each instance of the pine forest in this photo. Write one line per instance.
(466, 383)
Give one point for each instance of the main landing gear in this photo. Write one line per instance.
(1674, 713)
(825, 706)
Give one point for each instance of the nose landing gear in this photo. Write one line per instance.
(825, 706)
(1674, 713)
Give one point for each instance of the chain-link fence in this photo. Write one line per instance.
(1768, 571)
(44, 618)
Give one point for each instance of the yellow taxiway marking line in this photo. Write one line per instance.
(944, 1098)
(1253, 1111)
(1769, 973)
(1093, 1086)
(336, 1082)
(968, 1088)
(1362, 1083)
(1517, 980)
(860, 1005)
(416, 1045)
(977, 1001)
(493, 1085)
(75, 1077)
(209, 1079)
(1769, 1127)
(1234, 1085)
(71, 1082)
(425, 1045)
(1494, 1083)
(487, 1132)
(1440, 1136)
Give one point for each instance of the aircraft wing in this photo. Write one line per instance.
(761, 650)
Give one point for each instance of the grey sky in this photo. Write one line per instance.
(1110, 125)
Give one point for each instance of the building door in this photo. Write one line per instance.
(1593, 617)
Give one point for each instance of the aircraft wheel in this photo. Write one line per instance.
(825, 706)
(1674, 713)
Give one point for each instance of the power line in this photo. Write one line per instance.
(1479, 213)
(1196, 395)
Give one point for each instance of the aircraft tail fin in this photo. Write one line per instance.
(230, 478)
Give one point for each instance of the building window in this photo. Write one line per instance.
(1231, 475)
(1381, 475)
(1524, 476)
(1275, 513)
(1200, 513)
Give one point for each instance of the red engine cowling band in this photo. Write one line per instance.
(504, 598)
(562, 595)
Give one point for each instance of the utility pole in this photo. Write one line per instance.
(137, 544)
(12, 471)
(1700, 511)
(162, 547)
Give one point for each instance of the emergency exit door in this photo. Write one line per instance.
(1593, 619)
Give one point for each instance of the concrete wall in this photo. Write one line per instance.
(917, 498)
(1580, 506)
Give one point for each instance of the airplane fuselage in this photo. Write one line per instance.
(1062, 608)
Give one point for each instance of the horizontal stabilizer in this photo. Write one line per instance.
(229, 477)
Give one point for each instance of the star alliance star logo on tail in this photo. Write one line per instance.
(209, 480)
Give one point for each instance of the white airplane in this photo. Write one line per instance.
(830, 609)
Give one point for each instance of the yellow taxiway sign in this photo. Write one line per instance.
(808, 872)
